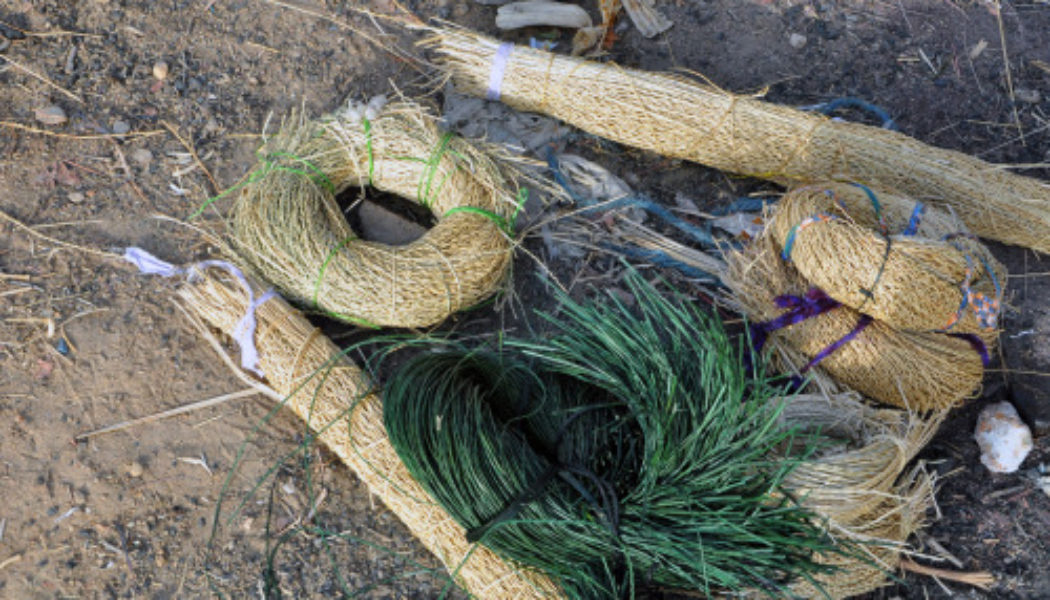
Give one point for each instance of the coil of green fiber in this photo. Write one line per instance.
(628, 450)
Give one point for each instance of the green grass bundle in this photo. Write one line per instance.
(628, 450)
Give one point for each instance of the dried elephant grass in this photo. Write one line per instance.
(333, 397)
(681, 118)
(915, 370)
(862, 488)
(287, 225)
(855, 486)
(913, 267)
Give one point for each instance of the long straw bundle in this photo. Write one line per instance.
(910, 266)
(681, 118)
(334, 397)
(919, 371)
(287, 225)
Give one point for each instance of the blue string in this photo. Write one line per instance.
(913, 221)
(661, 259)
(831, 106)
(742, 204)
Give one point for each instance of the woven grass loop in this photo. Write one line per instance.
(287, 225)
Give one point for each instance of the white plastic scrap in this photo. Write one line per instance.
(1003, 437)
(355, 111)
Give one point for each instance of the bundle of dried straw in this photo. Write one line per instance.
(862, 491)
(915, 370)
(856, 488)
(288, 226)
(681, 118)
(913, 267)
(334, 397)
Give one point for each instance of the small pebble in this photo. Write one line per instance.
(76, 197)
(51, 115)
(160, 70)
(135, 470)
(797, 40)
(1028, 96)
(142, 157)
(121, 126)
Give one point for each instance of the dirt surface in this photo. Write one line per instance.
(86, 342)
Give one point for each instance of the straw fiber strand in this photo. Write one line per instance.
(287, 225)
(915, 370)
(831, 234)
(323, 387)
(681, 118)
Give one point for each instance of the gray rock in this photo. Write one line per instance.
(51, 115)
(381, 225)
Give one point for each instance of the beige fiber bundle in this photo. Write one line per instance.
(919, 371)
(861, 488)
(854, 246)
(323, 387)
(854, 486)
(682, 118)
(287, 226)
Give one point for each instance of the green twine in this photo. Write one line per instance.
(426, 181)
(270, 164)
(317, 289)
(506, 225)
(368, 146)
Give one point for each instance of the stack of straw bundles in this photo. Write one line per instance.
(684, 119)
(913, 268)
(335, 398)
(857, 490)
(916, 370)
(287, 225)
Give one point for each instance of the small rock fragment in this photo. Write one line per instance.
(380, 224)
(135, 469)
(51, 115)
(160, 70)
(121, 127)
(1028, 96)
(797, 41)
(76, 197)
(142, 157)
(1003, 437)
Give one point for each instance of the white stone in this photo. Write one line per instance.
(1003, 437)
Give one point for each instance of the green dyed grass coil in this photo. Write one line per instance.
(627, 451)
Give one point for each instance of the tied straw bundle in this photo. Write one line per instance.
(335, 399)
(915, 268)
(915, 370)
(287, 225)
(681, 118)
(631, 451)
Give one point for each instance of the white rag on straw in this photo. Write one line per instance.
(244, 332)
